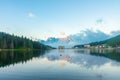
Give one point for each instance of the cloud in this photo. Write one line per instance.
(62, 33)
(114, 33)
(99, 21)
(85, 36)
(88, 36)
(30, 14)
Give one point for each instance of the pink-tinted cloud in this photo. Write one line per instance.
(62, 33)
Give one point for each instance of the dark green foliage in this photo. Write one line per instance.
(79, 46)
(98, 43)
(115, 41)
(8, 41)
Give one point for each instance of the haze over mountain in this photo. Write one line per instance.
(83, 37)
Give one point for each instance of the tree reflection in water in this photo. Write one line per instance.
(13, 57)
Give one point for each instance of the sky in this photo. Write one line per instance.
(42, 19)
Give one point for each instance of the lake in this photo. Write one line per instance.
(67, 64)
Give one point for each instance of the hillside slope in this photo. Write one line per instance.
(8, 41)
(115, 41)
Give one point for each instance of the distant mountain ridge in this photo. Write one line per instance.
(55, 42)
(86, 36)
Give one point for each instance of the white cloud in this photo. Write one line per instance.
(83, 37)
(30, 14)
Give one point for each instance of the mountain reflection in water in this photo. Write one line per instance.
(86, 57)
(67, 64)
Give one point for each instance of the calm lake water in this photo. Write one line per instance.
(69, 64)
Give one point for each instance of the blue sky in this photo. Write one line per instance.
(45, 18)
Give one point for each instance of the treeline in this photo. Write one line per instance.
(98, 43)
(8, 41)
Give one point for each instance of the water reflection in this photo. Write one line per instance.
(84, 57)
(76, 56)
(13, 57)
(111, 54)
(69, 64)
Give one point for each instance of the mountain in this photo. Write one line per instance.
(8, 41)
(83, 37)
(113, 42)
(55, 42)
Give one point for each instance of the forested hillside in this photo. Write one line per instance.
(8, 41)
(113, 42)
